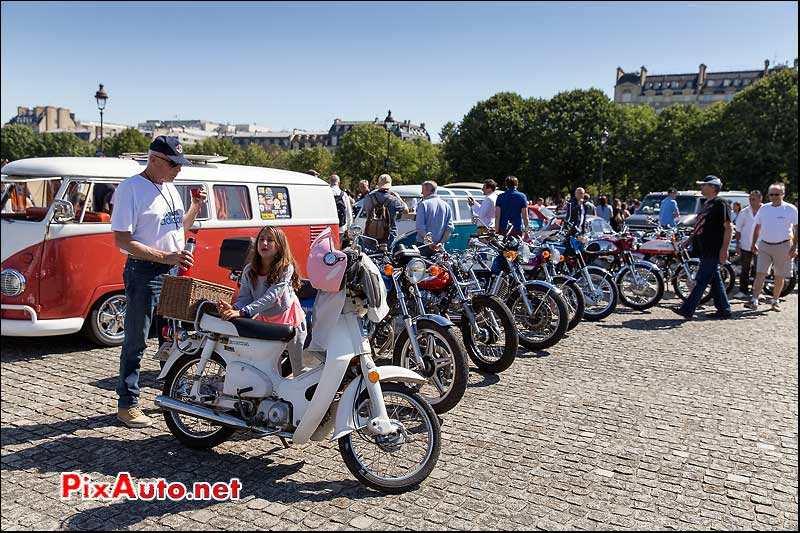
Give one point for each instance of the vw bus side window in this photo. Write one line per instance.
(92, 202)
(232, 202)
(186, 196)
(273, 202)
(28, 199)
(464, 211)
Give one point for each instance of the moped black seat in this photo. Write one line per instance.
(255, 329)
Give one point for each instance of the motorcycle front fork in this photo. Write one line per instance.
(409, 323)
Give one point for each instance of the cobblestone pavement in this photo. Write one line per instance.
(641, 421)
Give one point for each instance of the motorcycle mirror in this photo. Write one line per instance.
(547, 214)
(428, 238)
(355, 231)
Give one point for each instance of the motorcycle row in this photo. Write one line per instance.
(391, 345)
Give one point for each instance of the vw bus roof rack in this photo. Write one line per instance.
(142, 156)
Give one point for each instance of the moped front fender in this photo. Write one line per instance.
(438, 319)
(192, 346)
(543, 284)
(345, 419)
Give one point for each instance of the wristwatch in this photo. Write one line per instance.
(244, 313)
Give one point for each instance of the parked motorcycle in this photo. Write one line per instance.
(640, 283)
(545, 258)
(452, 290)
(597, 284)
(413, 339)
(226, 376)
(540, 312)
(663, 248)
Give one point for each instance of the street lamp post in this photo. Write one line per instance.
(102, 98)
(388, 122)
(603, 141)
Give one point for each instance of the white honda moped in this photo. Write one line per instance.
(228, 375)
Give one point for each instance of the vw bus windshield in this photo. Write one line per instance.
(27, 198)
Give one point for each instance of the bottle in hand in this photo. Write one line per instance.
(190, 245)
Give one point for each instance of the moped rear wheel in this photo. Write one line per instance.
(193, 432)
(400, 461)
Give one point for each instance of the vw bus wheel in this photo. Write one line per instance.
(494, 347)
(445, 363)
(400, 461)
(106, 320)
(193, 432)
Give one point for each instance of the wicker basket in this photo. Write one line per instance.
(180, 296)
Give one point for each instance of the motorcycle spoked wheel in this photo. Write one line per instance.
(494, 348)
(193, 432)
(598, 309)
(445, 363)
(683, 286)
(642, 297)
(550, 317)
(573, 296)
(398, 462)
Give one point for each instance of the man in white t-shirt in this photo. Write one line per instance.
(149, 223)
(775, 243)
(745, 225)
(485, 210)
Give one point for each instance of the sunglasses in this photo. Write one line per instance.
(774, 194)
(172, 164)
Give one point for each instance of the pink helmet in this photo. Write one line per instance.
(326, 265)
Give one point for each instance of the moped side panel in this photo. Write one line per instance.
(345, 421)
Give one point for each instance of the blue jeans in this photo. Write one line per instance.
(708, 272)
(143, 282)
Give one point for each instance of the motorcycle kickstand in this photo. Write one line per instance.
(285, 442)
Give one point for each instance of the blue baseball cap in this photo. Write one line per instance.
(171, 148)
(710, 180)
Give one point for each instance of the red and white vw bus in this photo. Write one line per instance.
(61, 272)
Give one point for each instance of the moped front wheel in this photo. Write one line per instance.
(400, 461)
(573, 296)
(602, 300)
(493, 347)
(444, 363)
(640, 289)
(546, 324)
(193, 432)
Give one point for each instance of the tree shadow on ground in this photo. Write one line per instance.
(147, 378)
(27, 348)
(163, 457)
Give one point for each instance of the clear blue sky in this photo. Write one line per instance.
(286, 65)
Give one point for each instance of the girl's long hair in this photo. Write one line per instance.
(276, 269)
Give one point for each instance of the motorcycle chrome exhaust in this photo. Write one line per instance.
(170, 404)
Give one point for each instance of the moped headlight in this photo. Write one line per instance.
(415, 270)
(555, 256)
(466, 262)
(12, 282)
(524, 253)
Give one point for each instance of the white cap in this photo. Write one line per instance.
(710, 180)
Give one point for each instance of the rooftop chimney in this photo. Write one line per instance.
(701, 77)
(642, 75)
(766, 66)
(620, 72)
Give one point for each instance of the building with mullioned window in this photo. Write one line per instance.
(701, 88)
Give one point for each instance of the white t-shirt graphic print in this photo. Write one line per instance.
(153, 214)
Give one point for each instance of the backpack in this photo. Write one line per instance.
(341, 208)
(379, 223)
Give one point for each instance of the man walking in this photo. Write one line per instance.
(344, 204)
(363, 189)
(381, 207)
(775, 243)
(435, 216)
(149, 224)
(710, 241)
(745, 225)
(511, 208)
(485, 210)
(668, 216)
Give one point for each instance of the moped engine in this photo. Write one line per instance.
(274, 413)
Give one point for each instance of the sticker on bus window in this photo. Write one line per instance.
(273, 202)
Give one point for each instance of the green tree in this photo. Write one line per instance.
(269, 156)
(219, 146)
(569, 142)
(126, 141)
(17, 142)
(493, 139)
(759, 134)
(362, 152)
(317, 158)
(62, 144)
(627, 153)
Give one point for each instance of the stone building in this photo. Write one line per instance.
(45, 119)
(702, 88)
(404, 130)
